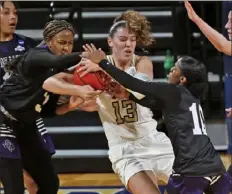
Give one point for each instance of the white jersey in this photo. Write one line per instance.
(124, 119)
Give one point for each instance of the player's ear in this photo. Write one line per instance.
(49, 43)
(109, 40)
(183, 80)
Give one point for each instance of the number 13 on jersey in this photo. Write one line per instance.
(198, 120)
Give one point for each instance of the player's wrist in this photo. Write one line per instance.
(103, 62)
(78, 91)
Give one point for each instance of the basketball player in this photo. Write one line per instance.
(13, 45)
(22, 101)
(197, 167)
(138, 152)
(218, 40)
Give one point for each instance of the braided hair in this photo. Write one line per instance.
(53, 27)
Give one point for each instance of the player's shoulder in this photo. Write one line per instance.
(143, 64)
(141, 58)
(32, 52)
(185, 93)
(27, 41)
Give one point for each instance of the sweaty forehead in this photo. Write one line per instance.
(123, 31)
(64, 34)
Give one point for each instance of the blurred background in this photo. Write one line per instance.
(78, 136)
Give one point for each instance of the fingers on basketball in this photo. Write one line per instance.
(97, 80)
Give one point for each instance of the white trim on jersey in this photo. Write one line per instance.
(6, 135)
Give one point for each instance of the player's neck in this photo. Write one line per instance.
(5, 37)
(123, 65)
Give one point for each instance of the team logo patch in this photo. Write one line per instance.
(19, 48)
(8, 145)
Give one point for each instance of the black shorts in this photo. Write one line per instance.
(35, 159)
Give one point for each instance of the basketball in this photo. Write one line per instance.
(98, 80)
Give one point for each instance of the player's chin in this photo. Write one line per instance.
(230, 36)
(10, 30)
(127, 56)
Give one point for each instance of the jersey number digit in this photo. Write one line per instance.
(198, 120)
(131, 110)
(38, 107)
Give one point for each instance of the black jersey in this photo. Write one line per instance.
(12, 49)
(22, 92)
(194, 153)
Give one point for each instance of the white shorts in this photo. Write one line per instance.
(152, 153)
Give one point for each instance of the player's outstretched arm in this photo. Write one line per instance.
(43, 60)
(217, 39)
(160, 91)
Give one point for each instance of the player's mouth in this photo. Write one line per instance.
(230, 35)
(12, 25)
(128, 52)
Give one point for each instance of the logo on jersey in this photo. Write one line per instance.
(8, 145)
(19, 48)
(21, 42)
(5, 60)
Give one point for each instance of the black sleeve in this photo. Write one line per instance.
(165, 92)
(148, 101)
(37, 60)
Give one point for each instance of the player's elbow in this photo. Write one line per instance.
(48, 84)
(225, 47)
(227, 50)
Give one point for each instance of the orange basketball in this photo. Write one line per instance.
(98, 80)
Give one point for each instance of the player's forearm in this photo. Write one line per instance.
(148, 101)
(59, 86)
(217, 39)
(44, 59)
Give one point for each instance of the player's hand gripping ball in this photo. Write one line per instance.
(98, 80)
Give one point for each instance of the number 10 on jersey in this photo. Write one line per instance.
(198, 120)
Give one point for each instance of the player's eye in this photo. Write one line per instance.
(123, 39)
(173, 70)
(70, 43)
(133, 39)
(6, 12)
(62, 42)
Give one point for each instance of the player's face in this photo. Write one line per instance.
(123, 44)
(8, 18)
(175, 74)
(62, 42)
(229, 25)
